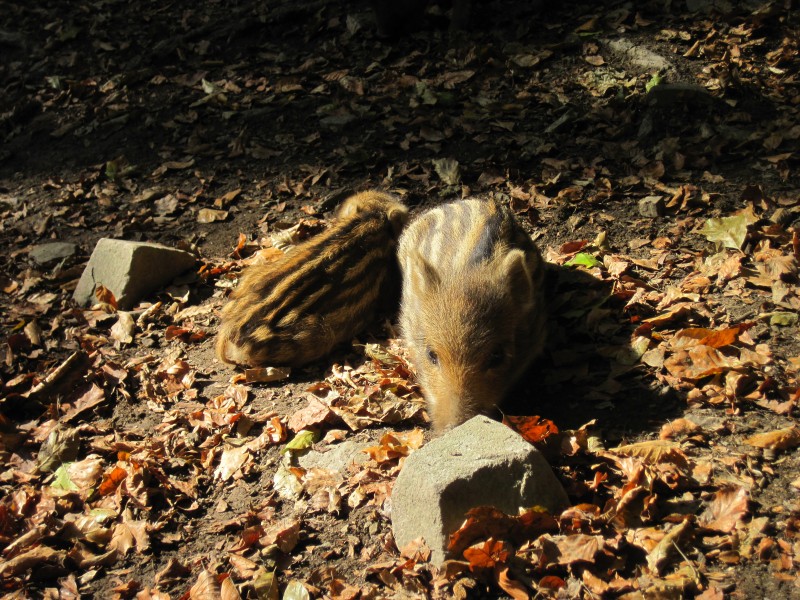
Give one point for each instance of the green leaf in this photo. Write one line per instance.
(302, 441)
(654, 81)
(730, 231)
(62, 480)
(583, 259)
(783, 319)
(112, 170)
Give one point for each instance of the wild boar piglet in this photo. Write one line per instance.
(472, 311)
(322, 292)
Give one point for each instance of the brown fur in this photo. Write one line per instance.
(472, 311)
(323, 292)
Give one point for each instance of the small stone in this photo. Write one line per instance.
(47, 253)
(651, 207)
(130, 270)
(337, 457)
(640, 56)
(480, 463)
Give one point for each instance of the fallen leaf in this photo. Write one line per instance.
(699, 362)
(233, 459)
(123, 329)
(660, 556)
(781, 439)
(654, 451)
(448, 171)
(678, 428)
(211, 215)
(533, 429)
(295, 590)
(105, 296)
(730, 231)
(727, 508)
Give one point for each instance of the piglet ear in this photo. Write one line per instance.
(515, 273)
(398, 217)
(421, 274)
(349, 208)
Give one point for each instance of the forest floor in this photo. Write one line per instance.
(647, 148)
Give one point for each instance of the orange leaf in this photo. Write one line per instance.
(552, 582)
(105, 295)
(699, 336)
(533, 429)
(488, 555)
(111, 481)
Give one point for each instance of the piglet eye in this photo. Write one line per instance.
(496, 359)
(433, 357)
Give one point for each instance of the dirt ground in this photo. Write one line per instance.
(134, 464)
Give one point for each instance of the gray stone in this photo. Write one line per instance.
(651, 207)
(479, 463)
(337, 457)
(639, 56)
(46, 253)
(130, 270)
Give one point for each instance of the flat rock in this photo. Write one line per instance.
(640, 57)
(479, 463)
(337, 457)
(52, 251)
(130, 270)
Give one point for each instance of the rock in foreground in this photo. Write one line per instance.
(480, 463)
(130, 270)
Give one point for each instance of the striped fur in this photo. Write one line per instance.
(323, 292)
(472, 309)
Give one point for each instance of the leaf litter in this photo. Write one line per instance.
(135, 466)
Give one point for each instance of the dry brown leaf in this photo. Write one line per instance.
(668, 547)
(727, 508)
(228, 590)
(86, 473)
(211, 215)
(781, 439)
(699, 362)
(123, 329)
(206, 587)
(234, 459)
(416, 550)
(568, 549)
(654, 451)
(105, 296)
(511, 586)
(678, 428)
(314, 414)
(26, 561)
(284, 534)
(687, 338)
